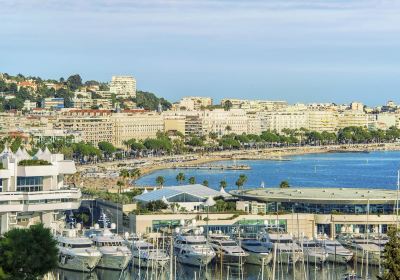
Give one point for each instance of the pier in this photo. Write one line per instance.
(215, 167)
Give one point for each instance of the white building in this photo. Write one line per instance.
(123, 86)
(32, 189)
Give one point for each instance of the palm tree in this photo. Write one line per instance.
(284, 185)
(241, 181)
(180, 177)
(135, 173)
(192, 180)
(205, 183)
(120, 184)
(160, 180)
(223, 184)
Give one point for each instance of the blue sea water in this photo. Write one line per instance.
(355, 170)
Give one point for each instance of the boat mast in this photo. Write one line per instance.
(397, 199)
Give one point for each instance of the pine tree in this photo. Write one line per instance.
(391, 256)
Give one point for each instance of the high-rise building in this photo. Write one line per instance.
(123, 86)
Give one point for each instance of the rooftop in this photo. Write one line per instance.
(198, 191)
(320, 195)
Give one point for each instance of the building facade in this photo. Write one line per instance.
(32, 193)
(123, 86)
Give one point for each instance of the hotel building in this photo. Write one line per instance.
(32, 189)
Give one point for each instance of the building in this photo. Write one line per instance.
(255, 105)
(123, 86)
(352, 118)
(323, 120)
(223, 122)
(285, 119)
(251, 207)
(94, 125)
(137, 124)
(29, 105)
(194, 103)
(190, 197)
(32, 193)
(53, 103)
(30, 85)
(88, 103)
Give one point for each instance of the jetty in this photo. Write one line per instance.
(213, 167)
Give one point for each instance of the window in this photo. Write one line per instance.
(29, 184)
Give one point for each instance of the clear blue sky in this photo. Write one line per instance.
(297, 50)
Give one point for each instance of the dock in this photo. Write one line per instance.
(213, 167)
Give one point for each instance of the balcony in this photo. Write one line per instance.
(63, 199)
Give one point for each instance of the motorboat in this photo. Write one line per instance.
(313, 252)
(228, 250)
(76, 252)
(259, 253)
(145, 254)
(191, 247)
(336, 252)
(287, 251)
(115, 253)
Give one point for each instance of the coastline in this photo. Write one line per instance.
(154, 164)
(275, 154)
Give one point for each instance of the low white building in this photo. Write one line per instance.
(32, 189)
(190, 197)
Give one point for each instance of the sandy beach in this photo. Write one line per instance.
(151, 164)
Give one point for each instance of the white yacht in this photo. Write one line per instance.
(287, 251)
(146, 255)
(336, 252)
(76, 253)
(258, 252)
(313, 252)
(227, 249)
(364, 248)
(191, 247)
(116, 255)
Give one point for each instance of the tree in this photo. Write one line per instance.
(28, 253)
(241, 181)
(222, 184)
(106, 147)
(74, 82)
(284, 185)
(160, 180)
(180, 177)
(391, 256)
(192, 180)
(205, 183)
(227, 105)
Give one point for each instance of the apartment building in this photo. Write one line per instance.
(53, 103)
(88, 103)
(255, 105)
(194, 103)
(32, 193)
(123, 86)
(323, 120)
(285, 119)
(135, 124)
(224, 122)
(95, 125)
(352, 118)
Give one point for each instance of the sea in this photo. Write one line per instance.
(327, 170)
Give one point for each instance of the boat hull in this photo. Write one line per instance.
(116, 262)
(78, 263)
(288, 257)
(339, 258)
(257, 258)
(195, 259)
(149, 263)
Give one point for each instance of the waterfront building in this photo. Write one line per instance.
(381, 121)
(175, 124)
(255, 105)
(323, 120)
(251, 207)
(352, 118)
(224, 122)
(32, 189)
(137, 124)
(123, 86)
(53, 103)
(286, 119)
(189, 197)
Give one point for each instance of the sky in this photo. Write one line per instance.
(295, 50)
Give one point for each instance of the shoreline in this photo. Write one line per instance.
(275, 154)
(154, 164)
